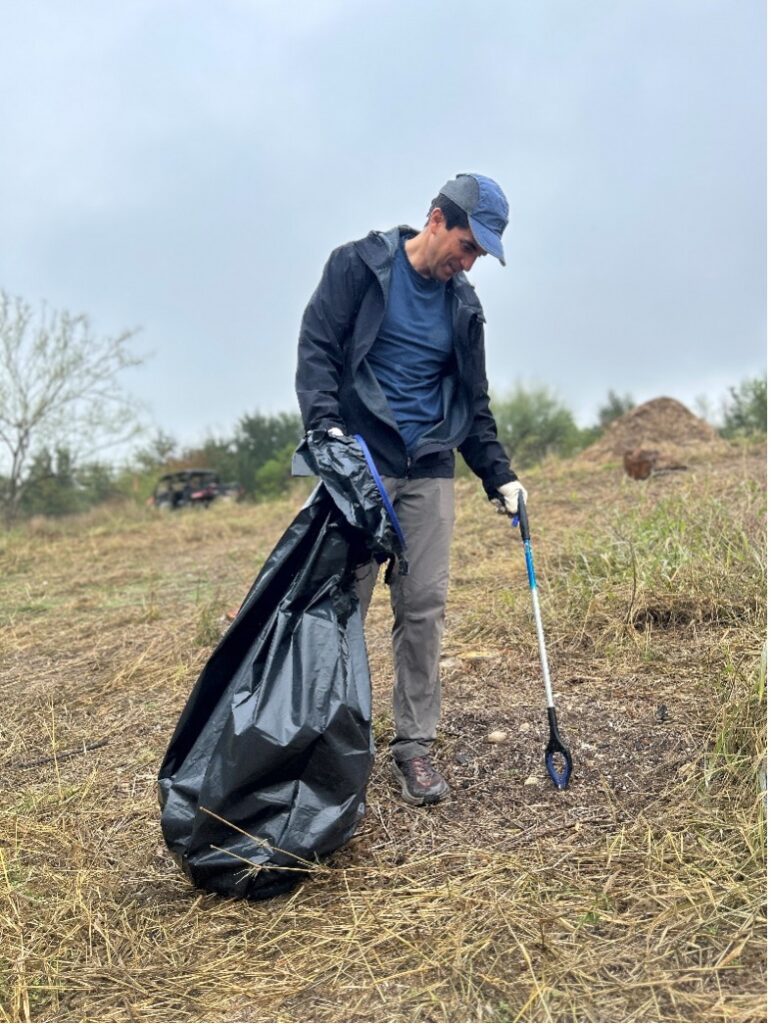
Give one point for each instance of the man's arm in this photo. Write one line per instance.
(482, 450)
(327, 323)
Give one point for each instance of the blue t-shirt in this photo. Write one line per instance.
(411, 354)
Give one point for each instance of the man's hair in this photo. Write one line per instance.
(453, 214)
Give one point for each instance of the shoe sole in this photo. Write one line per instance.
(417, 801)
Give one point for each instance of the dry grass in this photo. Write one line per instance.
(637, 895)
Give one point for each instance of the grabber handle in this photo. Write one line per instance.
(522, 519)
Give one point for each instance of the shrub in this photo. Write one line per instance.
(274, 477)
(745, 413)
(533, 424)
(616, 406)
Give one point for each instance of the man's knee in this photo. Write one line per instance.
(421, 599)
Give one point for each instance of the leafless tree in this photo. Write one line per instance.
(58, 386)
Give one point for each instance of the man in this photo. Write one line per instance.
(391, 347)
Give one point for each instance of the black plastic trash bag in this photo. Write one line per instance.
(268, 767)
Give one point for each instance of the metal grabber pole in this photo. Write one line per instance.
(559, 776)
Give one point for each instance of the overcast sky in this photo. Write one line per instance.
(186, 167)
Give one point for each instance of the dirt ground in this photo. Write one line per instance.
(637, 894)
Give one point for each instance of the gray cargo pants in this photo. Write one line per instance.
(425, 509)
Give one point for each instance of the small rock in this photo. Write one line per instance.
(525, 726)
(463, 757)
(531, 781)
(475, 656)
(497, 736)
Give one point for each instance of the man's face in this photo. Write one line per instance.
(450, 251)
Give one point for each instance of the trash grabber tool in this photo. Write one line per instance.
(559, 776)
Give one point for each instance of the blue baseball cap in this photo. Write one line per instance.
(486, 206)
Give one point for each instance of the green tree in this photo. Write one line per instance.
(158, 452)
(745, 412)
(96, 482)
(260, 439)
(274, 476)
(50, 487)
(616, 406)
(533, 423)
(257, 440)
(55, 486)
(221, 455)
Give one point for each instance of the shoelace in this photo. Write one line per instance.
(422, 771)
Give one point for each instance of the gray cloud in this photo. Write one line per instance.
(188, 166)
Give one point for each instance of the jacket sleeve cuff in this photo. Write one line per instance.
(328, 422)
(492, 483)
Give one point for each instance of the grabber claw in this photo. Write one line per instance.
(559, 775)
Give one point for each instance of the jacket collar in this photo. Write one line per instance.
(378, 249)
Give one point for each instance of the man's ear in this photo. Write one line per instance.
(436, 219)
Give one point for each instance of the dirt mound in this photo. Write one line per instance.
(662, 424)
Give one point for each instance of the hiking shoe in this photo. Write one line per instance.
(419, 782)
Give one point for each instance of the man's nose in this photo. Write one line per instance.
(467, 260)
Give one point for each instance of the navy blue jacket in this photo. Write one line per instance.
(336, 387)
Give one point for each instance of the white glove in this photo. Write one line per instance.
(507, 503)
(335, 432)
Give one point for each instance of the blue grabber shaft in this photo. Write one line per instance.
(555, 745)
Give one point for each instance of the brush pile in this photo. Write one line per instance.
(663, 424)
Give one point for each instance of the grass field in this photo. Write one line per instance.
(638, 894)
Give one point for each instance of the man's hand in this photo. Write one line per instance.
(507, 503)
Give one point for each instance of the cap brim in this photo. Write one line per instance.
(487, 240)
